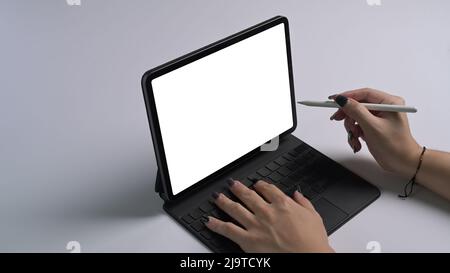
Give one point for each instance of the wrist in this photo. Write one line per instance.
(410, 160)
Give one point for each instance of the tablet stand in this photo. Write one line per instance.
(158, 186)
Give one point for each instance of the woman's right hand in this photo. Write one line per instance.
(387, 134)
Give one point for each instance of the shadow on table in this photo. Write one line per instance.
(139, 200)
(130, 195)
(391, 183)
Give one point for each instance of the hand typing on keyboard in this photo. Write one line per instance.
(270, 221)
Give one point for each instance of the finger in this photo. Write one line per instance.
(371, 95)
(356, 111)
(303, 201)
(360, 133)
(338, 115)
(235, 210)
(363, 137)
(227, 229)
(351, 126)
(365, 95)
(269, 191)
(356, 144)
(353, 131)
(249, 197)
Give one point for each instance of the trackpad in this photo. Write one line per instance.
(331, 215)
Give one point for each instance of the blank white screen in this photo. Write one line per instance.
(218, 108)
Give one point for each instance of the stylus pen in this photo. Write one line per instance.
(370, 106)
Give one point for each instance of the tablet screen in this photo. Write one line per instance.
(220, 107)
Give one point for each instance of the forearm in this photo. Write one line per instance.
(434, 173)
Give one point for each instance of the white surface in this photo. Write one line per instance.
(198, 105)
(76, 157)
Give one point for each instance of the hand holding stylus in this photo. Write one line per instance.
(387, 134)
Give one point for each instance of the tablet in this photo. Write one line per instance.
(215, 106)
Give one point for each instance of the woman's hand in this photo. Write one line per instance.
(387, 134)
(271, 221)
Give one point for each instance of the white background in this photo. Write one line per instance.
(76, 157)
(217, 109)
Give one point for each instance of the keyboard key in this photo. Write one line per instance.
(305, 155)
(290, 191)
(284, 171)
(254, 177)
(310, 155)
(247, 182)
(302, 185)
(300, 148)
(196, 214)
(221, 215)
(281, 161)
(308, 179)
(263, 172)
(269, 180)
(188, 219)
(206, 207)
(226, 191)
(288, 157)
(287, 182)
(309, 193)
(272, 166)
(215, 214)
(282, 187)
(198, 225)
(297, 175)
(300, 161)
(291, 166)
(275, 177)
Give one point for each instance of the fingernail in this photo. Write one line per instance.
(332, 96)
(341, 100)
(205, 219)
(230, 182)
(215, 195)
(333, 116)
(299, 193)
(349, 135)
(351, 147)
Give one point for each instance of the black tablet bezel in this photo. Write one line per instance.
(189, 58)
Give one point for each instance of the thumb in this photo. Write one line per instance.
(356, 111)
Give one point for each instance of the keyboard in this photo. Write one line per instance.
(302, 168)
